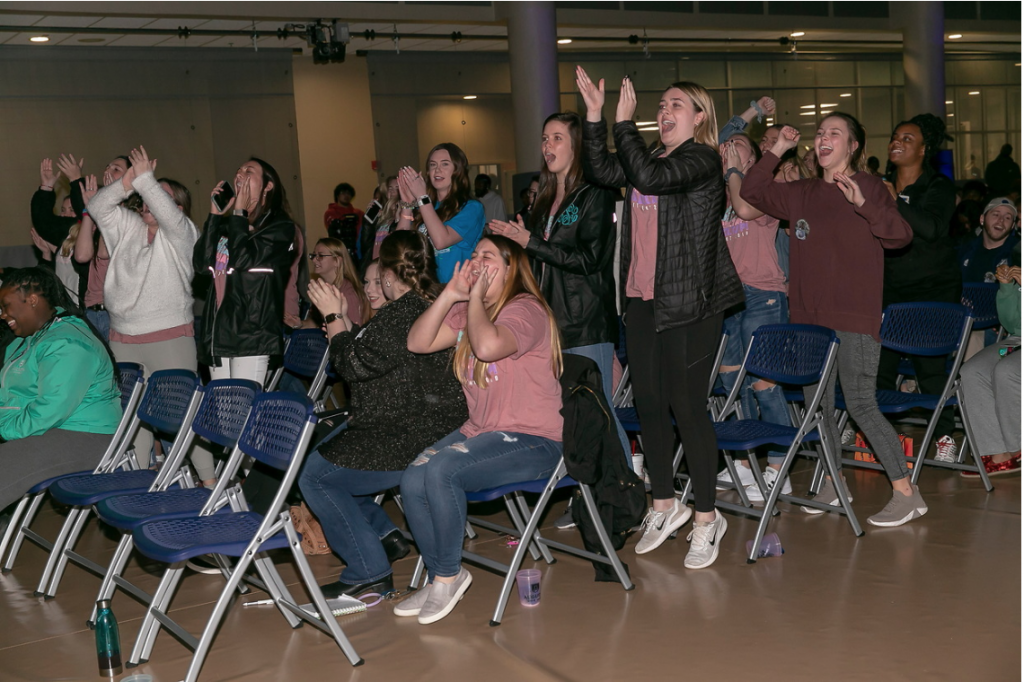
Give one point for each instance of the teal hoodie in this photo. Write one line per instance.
(59, 378)
(1008, 301)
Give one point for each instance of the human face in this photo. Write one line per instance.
(556, 146)
(116, 168)
(532, 193)
(250, 173)
(21, 313)
(344, 198)
(66, 211)
(147, 217)
(997, 223)
(906, 147)
(371, 285)
(392, 189)
(487, 257)
(325, 263)
(771, 136)
(744, 147)
(677, 118)
(833, 145)
(440, 169)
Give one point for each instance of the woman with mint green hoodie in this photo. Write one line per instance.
(59, 401)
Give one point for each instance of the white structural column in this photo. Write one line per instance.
(924, 59)
(533, 66)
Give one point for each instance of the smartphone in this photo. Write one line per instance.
(227, 193)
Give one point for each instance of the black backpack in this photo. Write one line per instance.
(593, 455)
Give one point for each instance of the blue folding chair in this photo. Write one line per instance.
(169, 399)
(276, 433)
(927, 329)
(131, 381)
(219, 420)
(306, 356)
(798, 355)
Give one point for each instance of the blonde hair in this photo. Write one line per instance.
(705, 132)
(67, 247)
(346, 271)
(389, 205)
(519, 282)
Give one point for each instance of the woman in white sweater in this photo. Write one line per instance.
(148, 291)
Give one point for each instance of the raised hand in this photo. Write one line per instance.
(71, 168)
(45, 247)
(327, 298)
(593, 96)
(850, 188)
(459, 286)
(214, 208)
(731, 157)
(627, 102)
(788, 139)
(516, 231)
(46, 175)
(482, 283)
(90, 189)
(141, 162)
(243, 195)
(414, 183)
(1003, 273)
(767, 105)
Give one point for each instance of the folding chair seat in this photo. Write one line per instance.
(277, 433)
(224, 406)
(131, 382)
(931, 329)
(306, 357)
(796, 355)
(170, 398)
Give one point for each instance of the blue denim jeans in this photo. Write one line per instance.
(603, 354)
(353, 523)
(101, 320)
(762, 307)
(434, 486)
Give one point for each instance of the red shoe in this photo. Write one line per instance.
(1010, 466)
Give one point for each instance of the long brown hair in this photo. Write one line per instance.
(705, 132)
(549, 181)
(857, 158)
(519, 282)
(407, 254)
(347, 272)
(460, 191)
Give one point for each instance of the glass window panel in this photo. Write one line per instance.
(722, 113)
(873, 73)
(960, 10)
(1013, 108)
(972, 143)
(788, 105)
(833, 74)
(968, 110)
(750, 74)
(876, 111)
(793, 74)
(896, 69)
(979, 73)
(611, 72)
(994, 100)
(877, 146)
(652, 75)
(567, 76)
(710, 74)
(646, 106)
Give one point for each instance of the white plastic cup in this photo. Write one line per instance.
(528, 581)
(638, 464)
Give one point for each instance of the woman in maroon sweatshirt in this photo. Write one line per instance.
(842, 221)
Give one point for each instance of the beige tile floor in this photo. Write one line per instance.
(937, 599)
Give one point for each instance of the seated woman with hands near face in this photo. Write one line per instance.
(508, 360)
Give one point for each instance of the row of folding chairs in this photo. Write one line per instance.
(800, 355)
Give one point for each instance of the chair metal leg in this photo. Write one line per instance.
(15, 529)
(108, 587)
(520, 525)
(840, 485)
(276, 587)
(919, 462)
(150, 625)
(606, 543)
(69, 546)
(57, 551)
(419, 573)
(973, 442)
(536, 541)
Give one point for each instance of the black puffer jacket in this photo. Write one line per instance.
(248, 321)
(694, 276)
(574, 265)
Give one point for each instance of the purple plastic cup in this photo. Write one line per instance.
(528, 581)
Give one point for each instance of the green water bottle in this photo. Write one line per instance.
(108, 642)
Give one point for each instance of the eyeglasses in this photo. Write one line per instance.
(319, 256)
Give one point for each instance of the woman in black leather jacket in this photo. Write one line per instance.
(570, 241)
(678, 278)
(248, 248)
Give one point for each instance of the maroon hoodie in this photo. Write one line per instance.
(836, 270)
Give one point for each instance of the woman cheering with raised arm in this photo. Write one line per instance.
(508, 360)
(678, 279)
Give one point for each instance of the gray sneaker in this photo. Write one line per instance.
(900, 510)
(827, 495)
(658, 526)
(565, 521)
(411, 605)
(704, 541)
(443, 598)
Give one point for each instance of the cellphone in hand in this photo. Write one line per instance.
(226, 194)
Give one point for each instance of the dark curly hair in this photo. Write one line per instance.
(407, 254)
(933, 131)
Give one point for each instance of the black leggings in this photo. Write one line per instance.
(670, 371)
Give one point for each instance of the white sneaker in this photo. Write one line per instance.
(704, 542)
(746, 477)
(658, 526)
(770, 477)
(945, 450)
(849, 435)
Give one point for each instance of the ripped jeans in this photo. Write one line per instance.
(434, 486)
(768, 405)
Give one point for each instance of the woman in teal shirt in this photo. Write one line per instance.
(59, 401)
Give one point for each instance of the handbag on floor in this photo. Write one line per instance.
(313, 540)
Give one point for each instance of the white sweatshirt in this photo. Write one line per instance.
(148, 286)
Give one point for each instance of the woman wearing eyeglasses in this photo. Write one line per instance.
(333, 264)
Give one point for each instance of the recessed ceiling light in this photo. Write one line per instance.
(846, 94)
(564, 41)
(949, 101)
(807, 113)
(648, 128)
(956, 36)
(826, 112)
(1017, 64)
(469, 97)
(827, 105)
(974, 92)
(949, 114)
(39, 39)
(647, 123)
(807, 106)
(796, 34)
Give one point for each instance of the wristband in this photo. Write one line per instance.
(240, 212)
(406, 216)
(734, 171)
(408, 205)
(757, 107)
(331, 317)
